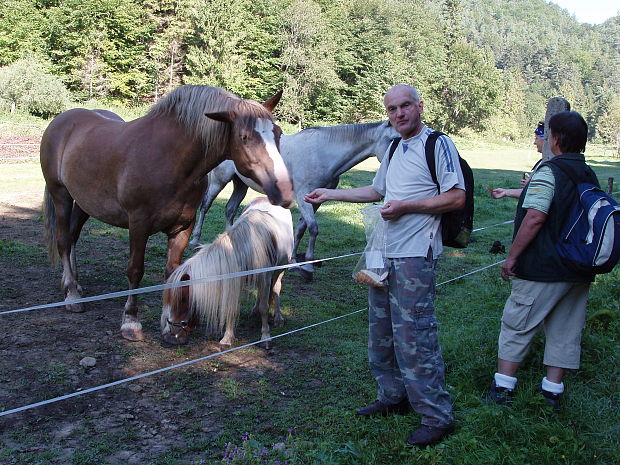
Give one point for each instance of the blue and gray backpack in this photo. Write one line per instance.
(590, 237)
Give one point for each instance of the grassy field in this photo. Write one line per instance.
(311, 413)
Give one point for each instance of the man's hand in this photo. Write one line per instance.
(530, 227)
(392, 210)
(498, 193)
(317, 196)
(525, 179)
(508, 268)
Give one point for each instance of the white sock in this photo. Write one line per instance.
(505, 381)
(555, 388)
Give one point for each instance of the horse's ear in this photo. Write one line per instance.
(223, 116)
(273, 101)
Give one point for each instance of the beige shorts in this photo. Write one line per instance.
(559, 308)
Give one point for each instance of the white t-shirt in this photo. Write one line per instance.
(407, 177)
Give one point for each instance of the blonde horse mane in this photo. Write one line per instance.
(190, 103)
(247, 245)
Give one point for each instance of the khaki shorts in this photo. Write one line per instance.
(559, 308)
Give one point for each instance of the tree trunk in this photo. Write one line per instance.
(555, 105)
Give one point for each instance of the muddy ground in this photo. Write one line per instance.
(176, 414)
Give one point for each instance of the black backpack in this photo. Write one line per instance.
(457, 225)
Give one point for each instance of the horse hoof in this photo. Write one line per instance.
(72, 295)
(267, 345)
(222, 347)
(132, 335)
(307, 276)
(132, 331)
(75, 308)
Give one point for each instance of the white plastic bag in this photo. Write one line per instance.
(371, 268)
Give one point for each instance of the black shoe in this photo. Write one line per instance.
(428, 435)
(499, 395)
(550, 398)
(379, 408)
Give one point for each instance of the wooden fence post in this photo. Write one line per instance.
(610, 185)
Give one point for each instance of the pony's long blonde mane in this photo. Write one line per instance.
(189, 104)
(248, 244)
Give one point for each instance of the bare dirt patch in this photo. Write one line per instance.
(19, 146)
(177, 414)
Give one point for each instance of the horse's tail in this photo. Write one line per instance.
(246, 245)
(49, 223)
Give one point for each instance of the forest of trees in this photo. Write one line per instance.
(481, 65)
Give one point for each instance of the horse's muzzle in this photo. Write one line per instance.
(176, 333)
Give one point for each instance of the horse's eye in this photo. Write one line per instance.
(243, 137)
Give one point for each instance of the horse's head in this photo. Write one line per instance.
(384, 134)
(177, 318)
(254, 146)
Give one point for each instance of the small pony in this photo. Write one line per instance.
(261, 237)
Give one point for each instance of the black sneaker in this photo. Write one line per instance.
(429, 435)
(499, 395)
(550, 398)
(379, 408)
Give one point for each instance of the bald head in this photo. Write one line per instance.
(403, 88)
(404, 110)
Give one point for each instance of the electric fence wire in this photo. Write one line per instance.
(201, 359)
(208, 279)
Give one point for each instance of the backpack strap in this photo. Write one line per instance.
(429, 150)
(393, 147)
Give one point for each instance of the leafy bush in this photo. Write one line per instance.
(26, 85)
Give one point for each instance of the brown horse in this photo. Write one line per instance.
(150, 174)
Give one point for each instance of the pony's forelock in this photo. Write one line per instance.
(172, 296)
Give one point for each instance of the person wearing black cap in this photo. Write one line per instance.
(539, 141)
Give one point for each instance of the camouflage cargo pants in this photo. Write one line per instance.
(403, 347)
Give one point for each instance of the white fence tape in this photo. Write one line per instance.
(493, 225)
(19, 145)
(161, 287)
(217, 354)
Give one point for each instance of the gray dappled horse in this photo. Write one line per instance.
(315, 157)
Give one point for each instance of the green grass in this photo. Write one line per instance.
(308, 404)
(469, 310)
(25, 254)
